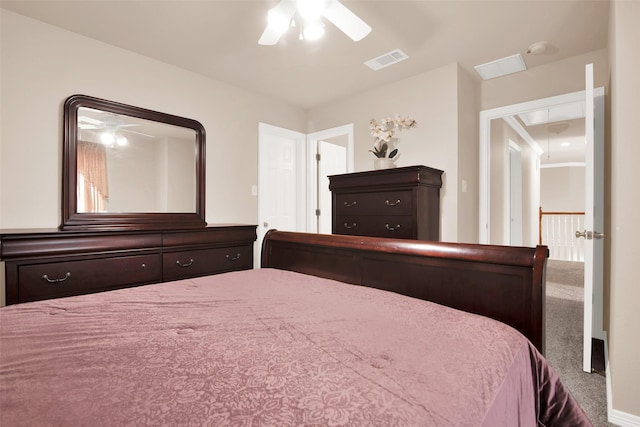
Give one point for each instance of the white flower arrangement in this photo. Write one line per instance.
(383, 130)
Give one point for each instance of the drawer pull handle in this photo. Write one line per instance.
(235, 258)
(388, 203)
(185, 265)
(390, 228)
(349, 204)
(144, 265)
(62, 279)
(349, 227)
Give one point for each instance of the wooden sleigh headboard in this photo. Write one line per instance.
(501, 282)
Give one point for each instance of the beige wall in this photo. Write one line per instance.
(498, 177)
(562, 189)
(530, 194)
(468, 157)
(624, 316)
(499, 207)
(432, 98)
(42, 65)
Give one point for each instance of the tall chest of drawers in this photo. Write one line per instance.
(402, 203)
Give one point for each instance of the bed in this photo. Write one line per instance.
(332, 330)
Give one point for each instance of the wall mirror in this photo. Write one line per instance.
(126, 167)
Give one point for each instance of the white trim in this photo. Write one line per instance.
(264, 128)
(524, 134)
(623, 419)
(484, 138)
(332, 133)
(615, 416)
(562, 165)
(590, 211)
(267, 129)
(312, 166)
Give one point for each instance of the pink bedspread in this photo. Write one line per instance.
(268, 348)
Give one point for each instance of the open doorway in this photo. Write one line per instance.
(533, 125)
(555, 128)
(292, 195)
(281, 177)
(333, 150)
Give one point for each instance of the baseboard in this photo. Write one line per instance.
(615, 416)
(623, 419)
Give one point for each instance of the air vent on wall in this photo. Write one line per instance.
(387, 59)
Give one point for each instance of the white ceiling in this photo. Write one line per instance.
(218, 38)
(559, 131)
(563, 146)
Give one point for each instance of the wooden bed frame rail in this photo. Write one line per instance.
(501, 282)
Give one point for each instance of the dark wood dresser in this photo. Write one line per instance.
(43, 264)
(402, 202)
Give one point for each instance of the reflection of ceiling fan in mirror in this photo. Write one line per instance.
(110, 129)
(281, 17)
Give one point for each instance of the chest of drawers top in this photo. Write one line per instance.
(405, 177)
(20, 245)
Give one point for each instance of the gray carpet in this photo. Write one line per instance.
(564, 338)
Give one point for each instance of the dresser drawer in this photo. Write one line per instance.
(59, 279)
(399, 227)
(375, 203)
(201, 262)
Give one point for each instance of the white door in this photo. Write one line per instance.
(332, 160)
(594, 216)
(281, 181)
(515, 195)
(318, 194)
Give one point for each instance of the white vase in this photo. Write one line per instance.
(383, 163)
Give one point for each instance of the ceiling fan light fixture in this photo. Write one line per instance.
(558, 127)
(537, 48)
(277, 21)
(311, 10)
(281, 15)
(107, 138)
(313, 31)
(122, 141)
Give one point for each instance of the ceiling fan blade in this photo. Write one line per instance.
(279, 17)
(346, 20)
(138, 133)
(87, 126)
(89, 120)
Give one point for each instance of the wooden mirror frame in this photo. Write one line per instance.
(73, 220)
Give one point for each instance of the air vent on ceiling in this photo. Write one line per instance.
(501, 67)
(387, 59)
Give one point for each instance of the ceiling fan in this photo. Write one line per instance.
(112, 123)
(110, 129)
(280, 18)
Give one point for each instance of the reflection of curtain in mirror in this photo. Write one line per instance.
(93, 188)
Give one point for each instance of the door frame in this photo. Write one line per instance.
(306, 162)
(594, 217)
(485, 147)
(515, 195)
(312, 165)
(484, 172)
(300, 138)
